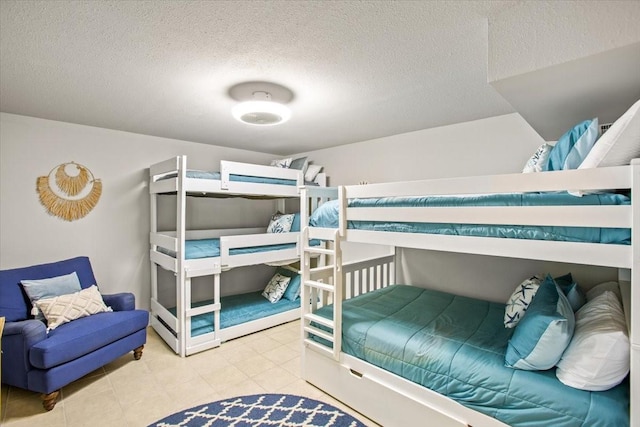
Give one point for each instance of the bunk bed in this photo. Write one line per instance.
(193, 326)
(381, 349)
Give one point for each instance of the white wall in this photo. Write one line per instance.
(115, 235)
(490, 146)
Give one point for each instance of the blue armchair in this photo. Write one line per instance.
(43, 362)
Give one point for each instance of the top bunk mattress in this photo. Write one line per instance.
(197, 174)
(455, 346)
(327, 216)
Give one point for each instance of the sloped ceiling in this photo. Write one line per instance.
(358, 70)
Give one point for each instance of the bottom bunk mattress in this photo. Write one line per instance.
(237, 309)
(456, 346)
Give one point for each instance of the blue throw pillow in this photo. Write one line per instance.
(544, 332)
(49, 288)
(293, 290)
(572, 291)
(572, 147)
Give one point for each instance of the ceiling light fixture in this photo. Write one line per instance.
(261, 111)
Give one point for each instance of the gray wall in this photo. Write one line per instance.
(115, 235)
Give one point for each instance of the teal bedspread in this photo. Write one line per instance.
(455, 346)
(237, 309)
(207, 248)
(238, 178)
(327, 216)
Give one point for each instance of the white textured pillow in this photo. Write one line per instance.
(597, 358)
(312, 172)
(618, 145)
(519, 301)
(276, 287)
(538, 162)
(65, 308)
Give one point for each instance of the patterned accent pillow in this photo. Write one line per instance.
(276, 287)
(538, 162)
(519, 301)
(65, 308)
(281, 163)
(280, 223)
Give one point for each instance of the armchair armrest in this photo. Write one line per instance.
(17, 340)
(124, 301)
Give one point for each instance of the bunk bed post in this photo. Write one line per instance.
(338, 296)
(181, 201)
(634, 410)
(153, 227)
(342, 215)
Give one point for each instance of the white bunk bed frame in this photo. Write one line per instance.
(162, 320)
(393, 401)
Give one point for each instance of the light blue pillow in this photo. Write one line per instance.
(572, 291)
(572, 147)
(295, 226)
(49, 288)
(293, 290)
(544, 332)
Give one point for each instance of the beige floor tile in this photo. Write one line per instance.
(190, 390)
(280, 354)
(286, 336)
(172, 375)
(93, 409)
(149, 410)
(15, 393)
(293, 366)
(86, 386)
(207, 361)
(225, 377)
(238, 354)
(262, 344)
(274, 379)
(130, 392)
(301, 388)
(28, 411)
(245, 388)
(255, 365)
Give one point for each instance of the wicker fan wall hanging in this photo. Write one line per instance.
(69, 191)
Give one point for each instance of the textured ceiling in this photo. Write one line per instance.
(358, 70)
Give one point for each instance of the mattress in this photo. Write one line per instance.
(238, 178)
(455, 346)
(209, 248)
(327, 216)
(237, 309)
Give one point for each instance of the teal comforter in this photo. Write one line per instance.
(327, 216)
(455, 346)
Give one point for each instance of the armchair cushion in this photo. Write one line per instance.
(83, 336)
(120, 302)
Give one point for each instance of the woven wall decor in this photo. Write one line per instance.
(69, 191)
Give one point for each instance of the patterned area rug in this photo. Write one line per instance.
(261, 410)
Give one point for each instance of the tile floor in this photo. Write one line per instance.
(137, 393)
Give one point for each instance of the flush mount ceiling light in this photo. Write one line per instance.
(262, 103)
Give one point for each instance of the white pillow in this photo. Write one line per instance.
(312, 172)
(65, 308)
(538, 162)
(618, 145)
(519, 301)
(603, 287)
(280, 223)
(597, 358)
(276, 287)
